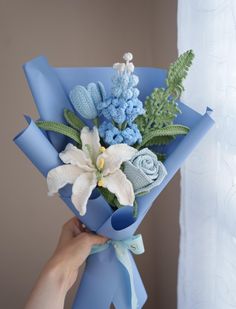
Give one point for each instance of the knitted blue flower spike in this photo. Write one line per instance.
(123, 106)
(85, 101)
(112, 135)
(144, 171)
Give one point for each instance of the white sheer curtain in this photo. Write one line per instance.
(207, 264)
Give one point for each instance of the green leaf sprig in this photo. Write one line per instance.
(177, 73)
(156, 125)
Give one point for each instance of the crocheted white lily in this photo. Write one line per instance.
(91, 166)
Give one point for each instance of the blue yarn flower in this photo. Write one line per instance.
(131, 134)
(112, 135)
(134, 109)
(123, 105)
(124, 86)
(85, 100)
(144, 171)
(114, 109)
(121, 108)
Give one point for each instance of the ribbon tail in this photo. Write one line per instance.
(137, 294)
(121, 297)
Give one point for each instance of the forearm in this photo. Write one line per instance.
(61, 271)
(50, 289)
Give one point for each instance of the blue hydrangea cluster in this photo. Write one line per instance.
(112, 135)
(121, 109)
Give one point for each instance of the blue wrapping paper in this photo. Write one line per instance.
(104, 280)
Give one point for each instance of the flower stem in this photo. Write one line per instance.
(123, 126)
(96, 122)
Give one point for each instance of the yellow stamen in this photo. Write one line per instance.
(100, 182)
(102, 149)
(101, 163)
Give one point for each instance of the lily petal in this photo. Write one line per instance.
(90, 142)
(73, 155)
(118, 184)
(82, 190)
(114, 156)
(60, 176)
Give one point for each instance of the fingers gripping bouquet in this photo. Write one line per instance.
(109, 150)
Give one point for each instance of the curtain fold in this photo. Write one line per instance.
(207, 261)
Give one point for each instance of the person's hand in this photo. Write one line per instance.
(73, 248)
(61, 271)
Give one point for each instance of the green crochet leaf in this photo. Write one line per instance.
(110, 198)
(73, 120)
(178, 72)
(163, 135)
(160, 156)
(159, 140)
(142, 193)
(60, 128)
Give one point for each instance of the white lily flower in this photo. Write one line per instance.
(91, 166)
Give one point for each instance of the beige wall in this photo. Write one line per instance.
(74, 33)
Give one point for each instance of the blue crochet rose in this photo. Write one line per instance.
(144, 171)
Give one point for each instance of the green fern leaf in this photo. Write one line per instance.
(161, 107)
(60, 128)
(73, 120)
(160, 111)
(178, 72)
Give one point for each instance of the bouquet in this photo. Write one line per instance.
(109, 140)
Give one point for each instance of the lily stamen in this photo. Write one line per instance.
(102, 149)
(100, 182)
(101, 163)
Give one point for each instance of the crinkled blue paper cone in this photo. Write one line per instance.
(105, 280)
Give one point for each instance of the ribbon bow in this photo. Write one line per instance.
(122, 248)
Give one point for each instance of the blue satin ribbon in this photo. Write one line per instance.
(122, 248)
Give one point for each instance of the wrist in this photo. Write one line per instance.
(50, 288)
